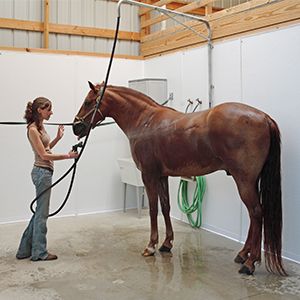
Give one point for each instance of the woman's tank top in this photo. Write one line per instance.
(38, 161)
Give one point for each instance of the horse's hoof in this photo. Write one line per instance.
(164, 248)
(149, 251)
(245, 270)
(239, 259)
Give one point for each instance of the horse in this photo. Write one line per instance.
(234, 137)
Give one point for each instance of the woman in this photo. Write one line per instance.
(34, 243)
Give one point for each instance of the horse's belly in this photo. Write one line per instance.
(196, 166)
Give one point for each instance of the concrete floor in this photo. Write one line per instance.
(99, 257)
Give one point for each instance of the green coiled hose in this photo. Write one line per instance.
(196, 205)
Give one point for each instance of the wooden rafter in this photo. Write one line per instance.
(234, 21)
(253, 15)
(184, 9)
(201, 11)
(67, 29)
(69, 52)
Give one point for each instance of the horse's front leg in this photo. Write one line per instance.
(163, 192)
(151, 185)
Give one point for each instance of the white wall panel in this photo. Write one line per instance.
(7, 36)
(6, 9)
(21, 9)
(88, 19)
(227, 72)
(112, 16)
(263, 71)
(271, 66)
(168, 66)
(53, 14)
(35, 10)
(63, 79)
(75, 12)
(20, 38)
(35, 39)
(222, 208)
(63, 17)
(20, 12)
(101, 15)
(35, 13)
(52, 41)
(75, 19)
(195, 76)
(101, 45)
(135, 22)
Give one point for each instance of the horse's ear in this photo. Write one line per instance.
(92, 87)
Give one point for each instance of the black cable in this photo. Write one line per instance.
(49, 123)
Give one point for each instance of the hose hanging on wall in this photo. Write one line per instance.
(182, 196)
(196, 205)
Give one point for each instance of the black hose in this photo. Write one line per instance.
(73, 167)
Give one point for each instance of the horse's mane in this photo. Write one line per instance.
(129, 91)
(140, 96)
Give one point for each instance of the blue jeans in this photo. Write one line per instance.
(34, 242)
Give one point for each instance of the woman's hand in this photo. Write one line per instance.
(73, 154)
(59, 135)
(60, 132)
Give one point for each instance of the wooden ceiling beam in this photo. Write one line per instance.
(68, 29)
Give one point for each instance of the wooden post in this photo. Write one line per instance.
(145, 17)
(208, 9)
(46, 24)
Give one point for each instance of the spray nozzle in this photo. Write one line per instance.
(78, 145)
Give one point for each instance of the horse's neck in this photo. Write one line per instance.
(129, 108)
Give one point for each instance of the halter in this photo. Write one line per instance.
(93, 111)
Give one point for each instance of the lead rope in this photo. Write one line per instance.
(74, 165)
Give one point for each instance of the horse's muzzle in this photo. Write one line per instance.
(80, 128)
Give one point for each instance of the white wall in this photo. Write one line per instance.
(63, 79)
(261, 70)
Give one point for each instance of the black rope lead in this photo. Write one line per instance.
(49, 123)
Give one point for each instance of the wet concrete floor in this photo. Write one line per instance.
(99, 257)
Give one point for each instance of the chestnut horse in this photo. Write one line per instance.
(234, 137)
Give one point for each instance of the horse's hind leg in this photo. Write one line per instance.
(163, 192)
(151, 185)
(251, 252)
(243, 255)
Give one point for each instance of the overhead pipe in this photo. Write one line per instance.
(167, 12)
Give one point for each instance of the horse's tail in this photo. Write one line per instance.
(270, 193)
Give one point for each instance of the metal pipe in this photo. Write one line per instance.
(186, 26)
(169, 11)
(161, 9)
(210, 83)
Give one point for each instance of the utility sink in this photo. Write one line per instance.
(130, 174)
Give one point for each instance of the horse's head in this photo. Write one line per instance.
(83, 119)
